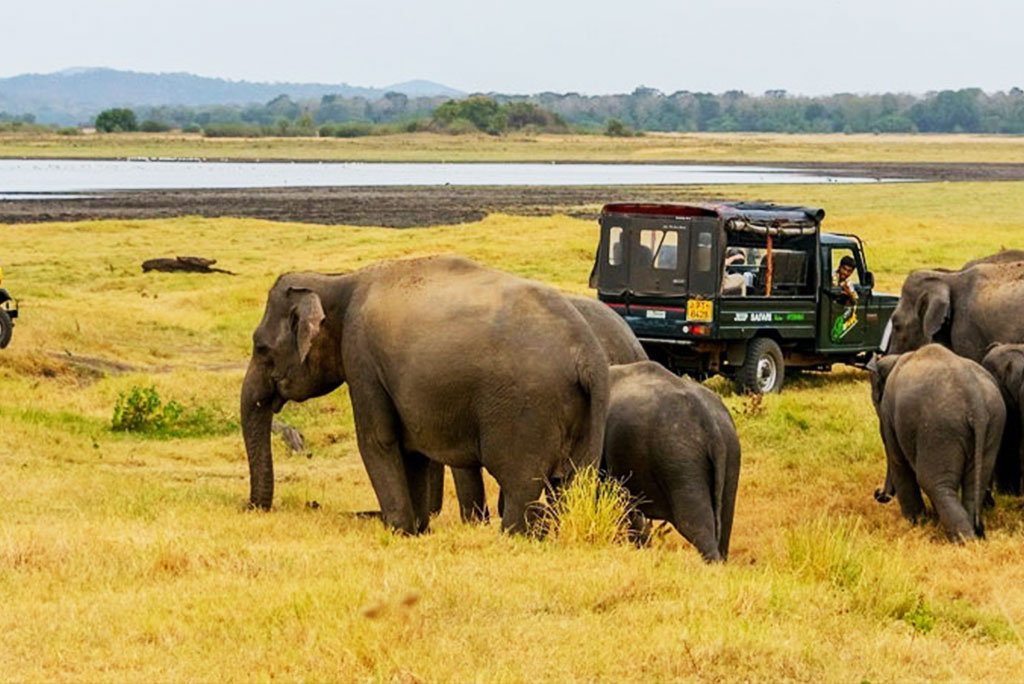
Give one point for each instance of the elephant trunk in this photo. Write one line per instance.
(257, 416)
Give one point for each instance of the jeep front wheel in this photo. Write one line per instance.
(6, 328)
(763, 370)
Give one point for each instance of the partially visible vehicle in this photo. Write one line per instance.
(8, 312)
(740, 289)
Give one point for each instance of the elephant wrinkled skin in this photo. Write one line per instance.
(447, 362)
(620, 346)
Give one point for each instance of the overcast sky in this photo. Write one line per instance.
(528, 46)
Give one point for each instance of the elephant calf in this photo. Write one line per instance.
(941, 418)
(674, 445)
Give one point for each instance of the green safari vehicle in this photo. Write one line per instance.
(8, 312)
(746, 290)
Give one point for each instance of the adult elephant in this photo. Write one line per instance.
(1001, 257)
(964, 310)
(620, 347)
(446, 361)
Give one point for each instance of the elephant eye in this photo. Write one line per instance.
(262, 349)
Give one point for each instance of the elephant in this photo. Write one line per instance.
(673, 445)
(1001, 257)
(964, 310)
(447, 362)
(620, 346)
(941, 418)
(1006, 364)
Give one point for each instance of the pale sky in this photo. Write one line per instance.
(592, 47)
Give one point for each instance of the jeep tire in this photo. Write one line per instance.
(6, 329)
(763, 370)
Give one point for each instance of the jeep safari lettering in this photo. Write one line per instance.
(741, 289)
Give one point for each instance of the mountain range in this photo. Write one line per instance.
(76, 95)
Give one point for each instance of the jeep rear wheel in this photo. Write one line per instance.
(6, 329)
(763, 369)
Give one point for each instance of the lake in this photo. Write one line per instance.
(24, 178)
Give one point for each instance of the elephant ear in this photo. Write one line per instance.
(934, 310)
(307, 315)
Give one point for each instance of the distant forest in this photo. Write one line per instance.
(968, 110)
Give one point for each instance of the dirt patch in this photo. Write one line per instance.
(405, 207)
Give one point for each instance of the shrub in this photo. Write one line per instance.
(356, 129)
(232, 130)
(113, 120)
(617, 129)
(191, 128)
(141, 410)
(151, 126)
(591, 511)
(69, 130)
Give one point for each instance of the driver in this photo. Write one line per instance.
(847, 297)
(841, 279)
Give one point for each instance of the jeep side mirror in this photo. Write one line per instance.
(869, 280)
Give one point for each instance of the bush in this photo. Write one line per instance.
(151, 126)
(355, 129)
(232, 130)
(69, 130)
(590, 511)
(141, 410)
(617, 129)
(114, 120)
(192, 128)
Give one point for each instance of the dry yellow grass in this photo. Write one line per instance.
(130, 558)
(423, 147)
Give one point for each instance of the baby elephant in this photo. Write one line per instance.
(941, 418)
(674, 445)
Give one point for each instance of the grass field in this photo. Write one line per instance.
(423, 147)
(129, 557)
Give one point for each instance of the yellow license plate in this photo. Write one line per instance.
(700, 310)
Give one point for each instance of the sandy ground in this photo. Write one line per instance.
(403, 207)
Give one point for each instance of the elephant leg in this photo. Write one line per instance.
(519, 511)
(952, 514)
(908, 492)
(900, 476)
(469, 488)
(693, 516)
(435, 488)
(1011, 453)
(377, 438)
(422, 475)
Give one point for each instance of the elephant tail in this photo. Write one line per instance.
(718, 458)
(980, 437)
(592, 380)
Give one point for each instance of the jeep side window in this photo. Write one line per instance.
(615, 246)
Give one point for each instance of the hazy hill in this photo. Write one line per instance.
(75, 95)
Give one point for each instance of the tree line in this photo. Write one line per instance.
(968, 110)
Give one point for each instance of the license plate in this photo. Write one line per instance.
(700, 310)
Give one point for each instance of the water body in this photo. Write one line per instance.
(25, 178)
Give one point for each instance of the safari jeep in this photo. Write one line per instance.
(8, 312)
(741, 289)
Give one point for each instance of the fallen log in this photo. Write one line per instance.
(187, 264)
